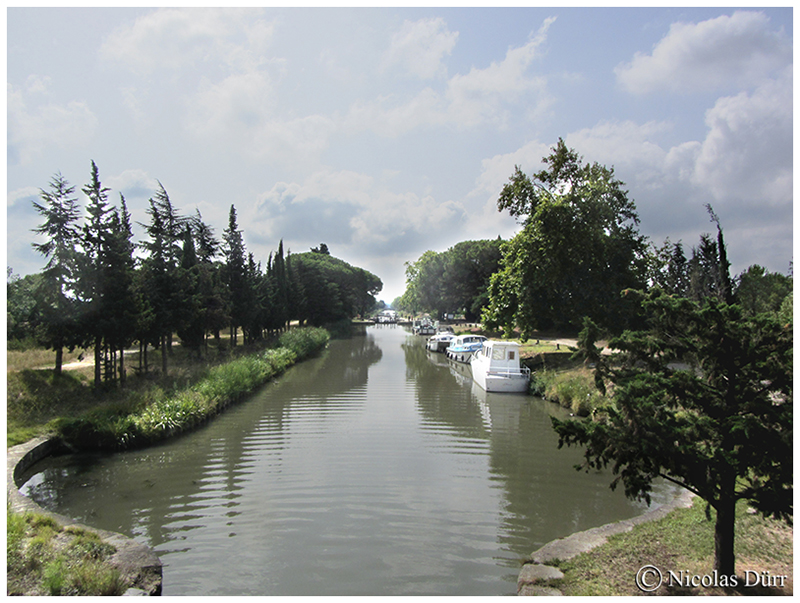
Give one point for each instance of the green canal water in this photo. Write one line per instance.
(377, 468)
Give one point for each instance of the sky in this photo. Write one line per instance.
(387, 132)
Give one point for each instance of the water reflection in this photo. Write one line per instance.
(378, 468)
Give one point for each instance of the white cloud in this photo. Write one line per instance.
(237, 104)
(747, 153)
(32, 130)
(479, 95)
(356, 210)
(171, 39)
(23, 196)
(625, 143)
(238, 113)
(738, 49)
(387, 118)
(477, 98)
(420, 47)
(132, 183)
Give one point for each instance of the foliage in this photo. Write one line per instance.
(452, 282)
(95, 291)
(572, 389)
(57, 287)
(332, 288)
(578, 249)
(160, 414)
(760, 291)
(22, 313)
(703, 398)
(303, 342)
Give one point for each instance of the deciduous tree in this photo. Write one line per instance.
(578, 249)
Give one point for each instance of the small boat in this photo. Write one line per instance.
(496, 368)
(423, 327)
(463, 346)
(441, 341)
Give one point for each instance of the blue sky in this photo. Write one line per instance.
(387, 132)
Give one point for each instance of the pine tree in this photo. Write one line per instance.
(160, 268)
(121, 311)
(56, 296)
(95, 234)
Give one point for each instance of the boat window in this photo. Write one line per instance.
(511, 355)
(497, 353)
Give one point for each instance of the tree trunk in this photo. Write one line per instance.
(724, 559)
(98, 362)
(122, 366)
(59, 360)
(164, 355)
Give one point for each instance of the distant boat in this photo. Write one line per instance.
(496, 368)
(463, 346)
(423, 327)
(441, 341)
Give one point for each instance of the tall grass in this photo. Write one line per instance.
(156, 414)
(573, 389)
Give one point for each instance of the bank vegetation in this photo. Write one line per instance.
(136, 416)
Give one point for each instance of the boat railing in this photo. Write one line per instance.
(507, 372)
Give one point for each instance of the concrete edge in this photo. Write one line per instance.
(138, 564)
(534, 582)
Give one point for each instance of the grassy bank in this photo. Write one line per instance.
(682, 541)
(148, 410)
(573, 388)
(43, 558)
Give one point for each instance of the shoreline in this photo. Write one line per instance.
(535, 575)
(137, 563)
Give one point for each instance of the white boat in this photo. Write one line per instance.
(423, 327)
(441, 341)
(496, 368)
(463, 346)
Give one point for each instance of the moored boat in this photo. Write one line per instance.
(423, 327)
(496, 367)
(462, 347)
(441, 341)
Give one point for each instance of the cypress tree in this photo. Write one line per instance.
(234, 252)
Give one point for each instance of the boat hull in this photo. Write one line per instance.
(512, 384)
(459, 355)
(493, 378)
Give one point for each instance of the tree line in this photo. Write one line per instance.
(102, 290)
(700, 389)
(579, 247)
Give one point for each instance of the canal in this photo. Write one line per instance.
(377, 468)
